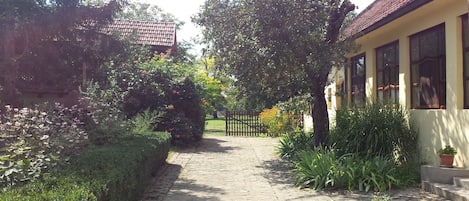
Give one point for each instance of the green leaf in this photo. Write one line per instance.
(5, 157)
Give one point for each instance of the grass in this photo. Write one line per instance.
(215, 127)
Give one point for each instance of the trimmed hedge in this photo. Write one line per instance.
(118, 172)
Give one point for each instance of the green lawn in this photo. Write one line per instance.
(215, 127)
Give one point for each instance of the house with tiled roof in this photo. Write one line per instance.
(414, 53)
(160, 36)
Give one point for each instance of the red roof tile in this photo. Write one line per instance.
(379, 13)
(144, 32)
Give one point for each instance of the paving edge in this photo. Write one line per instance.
(447, 191)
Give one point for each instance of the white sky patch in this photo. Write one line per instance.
(361, 4)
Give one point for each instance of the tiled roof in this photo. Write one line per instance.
(379, 13)
(145, 33)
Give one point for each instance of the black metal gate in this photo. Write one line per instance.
(244, 123)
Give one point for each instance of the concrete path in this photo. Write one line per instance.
(238, 169)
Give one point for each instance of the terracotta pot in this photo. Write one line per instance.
(446, 160)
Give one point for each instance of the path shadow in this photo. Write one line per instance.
(185, 189)
(208, 145)
(166, 179)
(278, 171)
(162, 182)
(213, 145)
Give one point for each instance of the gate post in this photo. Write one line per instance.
(227, 117)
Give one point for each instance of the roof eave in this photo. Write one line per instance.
(391, 17)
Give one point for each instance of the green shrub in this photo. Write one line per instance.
(117, 172)
(146, 122)
(158, 84)
(33, 141)
(280, 122)
(51, 189)
(297, 105)
(291, 144)
(317, 169)
(189, 103)
(377, 174)
(408, 176)
(146, 89)
(375, 130)
(185, 119)
(376, 147)
(106, 123)
(180, 128)
(121, 172)
(322, 168)
(276, 122)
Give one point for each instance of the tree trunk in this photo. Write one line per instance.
(10, 68)
(320, 114)
(320, 117)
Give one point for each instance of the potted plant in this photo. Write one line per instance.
(447, 156)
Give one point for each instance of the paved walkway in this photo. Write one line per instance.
(238, 169)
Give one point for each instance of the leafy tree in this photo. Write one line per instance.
(212, 98)
(184, 55)
(47, 42)
(277, 49)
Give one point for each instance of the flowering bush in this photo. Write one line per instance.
(185, 118)
(33, 140)
(276, 122)
(181, 129)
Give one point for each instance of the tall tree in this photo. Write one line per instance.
(43, 38)
(277, 49)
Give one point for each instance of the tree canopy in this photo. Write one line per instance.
(45, 43)
(277, 49)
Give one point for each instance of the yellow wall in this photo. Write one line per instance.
(436, 127)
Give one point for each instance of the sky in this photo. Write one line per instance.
(184, 9)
